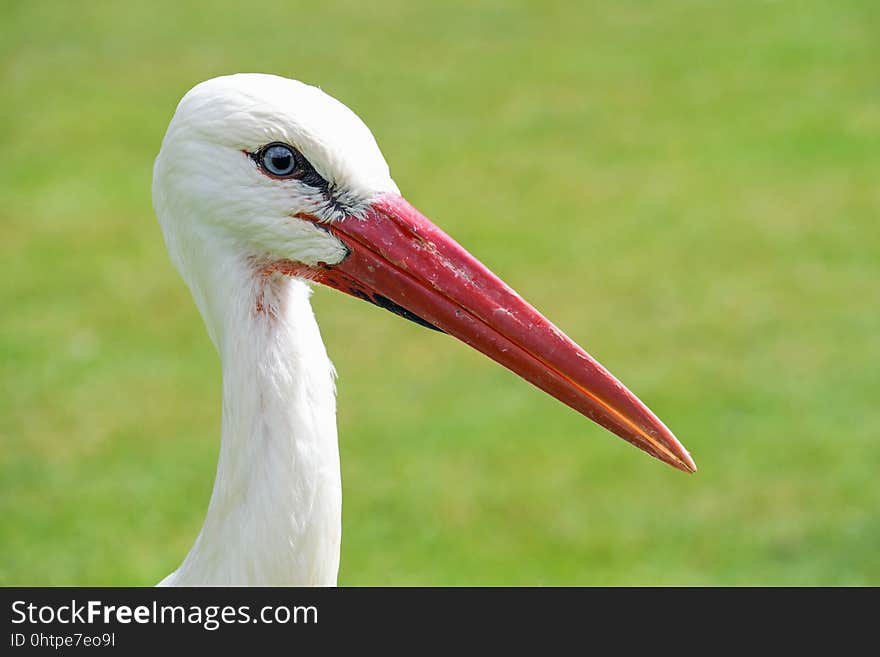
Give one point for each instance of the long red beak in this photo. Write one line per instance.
(400, 260)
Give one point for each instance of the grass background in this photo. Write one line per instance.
(689, 188)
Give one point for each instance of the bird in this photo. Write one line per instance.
(265, 187)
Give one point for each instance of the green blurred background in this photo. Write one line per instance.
(688, 188)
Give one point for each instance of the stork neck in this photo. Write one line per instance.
(275, 511)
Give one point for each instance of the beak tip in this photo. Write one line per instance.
(684, 462)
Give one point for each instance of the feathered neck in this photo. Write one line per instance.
(275, 511)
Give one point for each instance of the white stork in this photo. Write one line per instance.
(263, 184)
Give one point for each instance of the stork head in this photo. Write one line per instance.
(281, 177)
(247, 155)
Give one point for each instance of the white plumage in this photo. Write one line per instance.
(275, 511)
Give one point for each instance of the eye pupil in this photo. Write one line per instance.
(282, 162)
(279, 160)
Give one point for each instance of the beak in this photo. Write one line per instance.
(400, 260)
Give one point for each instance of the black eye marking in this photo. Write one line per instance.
(283, 161)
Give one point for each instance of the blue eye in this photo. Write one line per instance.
(279, 159)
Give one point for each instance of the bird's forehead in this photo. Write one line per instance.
(246, 111)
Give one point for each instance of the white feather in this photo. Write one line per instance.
(275, 511)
